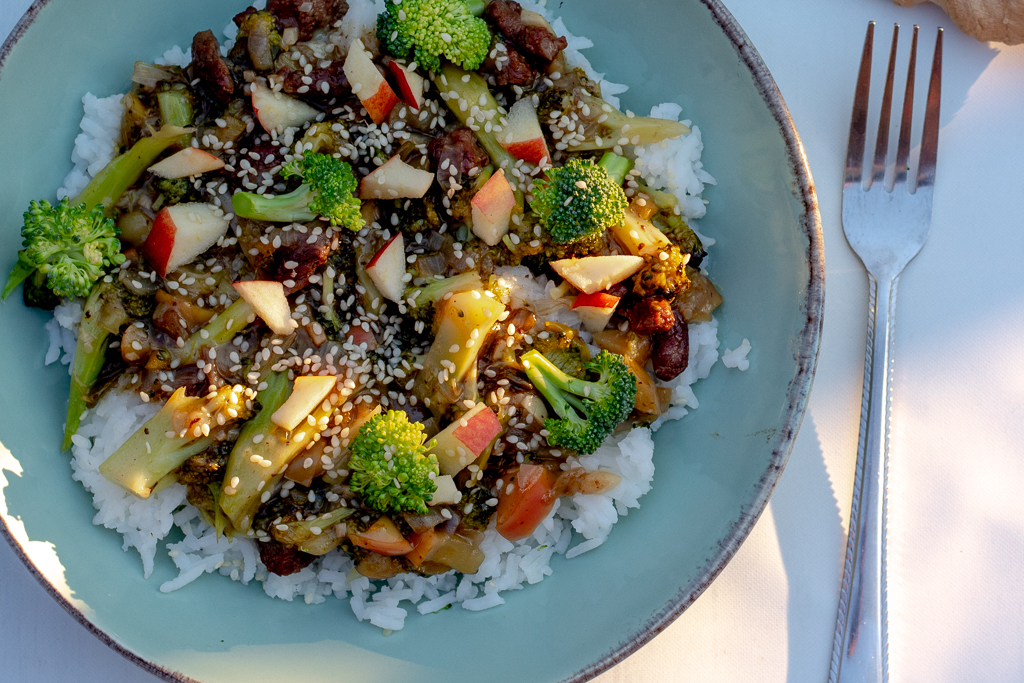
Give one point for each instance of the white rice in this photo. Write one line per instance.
(575, 525)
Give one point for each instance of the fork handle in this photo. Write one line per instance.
(860, 649)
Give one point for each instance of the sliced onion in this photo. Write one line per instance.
(149, 74)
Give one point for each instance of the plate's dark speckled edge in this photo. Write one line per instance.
(806, 357)
(799, 388)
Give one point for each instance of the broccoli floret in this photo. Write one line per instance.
(677, 230)
(602, 126)
(663, 274)
(328, 191)
(391, 470)
(564, 349)
(175, 190)
(432, 29)
(72, 245)
(588, 411)
(581, 199)
(36, 294)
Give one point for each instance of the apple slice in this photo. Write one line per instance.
(308, 392)
(595, 310)
(268, 300)
(522, 137)
(410, 84)
(188, 162)
(447, 493)
(395, 179)
(387, 269)
(182, 232)
(492, 208)
(594, 273)
(464, 440)
(277, 111)
(368, 84)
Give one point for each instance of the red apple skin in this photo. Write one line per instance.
(531, 151)
(532, 497)
(380, 105)
(479, 431)
(596, 300)
(160, 242)
(495, 198)
(405, 88)
(380, 252)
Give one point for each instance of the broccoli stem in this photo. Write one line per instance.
(643, 130)
(176, 110)
(283, 208)
(617, 166)
(150, 454)
(301, 534)
(456, 89)
(125, 170)
(476, 7)
(220, 330)
(551, 382)
(262, 453)
(90, 352)
(19, 274)
(432, 292)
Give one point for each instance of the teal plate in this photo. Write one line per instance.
(715, 468)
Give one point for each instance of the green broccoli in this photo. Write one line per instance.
(327, 191)
(588, 411)
(391, 470)
(175, 190)
(470, 99)
(581, 199)
(432, 29)
(72, 245)
(663, 274)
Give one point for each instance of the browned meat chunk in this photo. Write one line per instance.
(456, 154)
(289, 256)
(672, 350)
(307, 15)
(333, 76)
(535, 41)
(651, 315)
(211, 69)
(283, 559)
(511, 68)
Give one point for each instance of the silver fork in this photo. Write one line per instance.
(886, 229)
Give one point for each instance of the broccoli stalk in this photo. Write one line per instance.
(432, 292)
(432, 29)
(316, 535)
(162, 444)
(472, 102)
(124, 171)
(391, 469)
(262, 453)
(587, 411)
(102, 317)
(463, 322)
(176, 110)
(220, 330)
(328, 191)
(601, 125)
(581, 199)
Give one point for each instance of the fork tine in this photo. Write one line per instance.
(882, 141)
(859, 119)
(930, 139)
(903, 149)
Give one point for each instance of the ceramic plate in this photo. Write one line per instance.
(715, 468)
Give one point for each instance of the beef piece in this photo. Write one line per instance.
(671, 350)
(210, 68)
(267, 156)
(462, 153)
(511, 68)
(333, 75)
(283, 559)
(243, 15)
(650, 315)
(309, 250)
(535, 41)
(307, 15)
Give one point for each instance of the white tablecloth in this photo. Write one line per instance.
(957, 517)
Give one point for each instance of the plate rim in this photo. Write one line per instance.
(798, 393)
